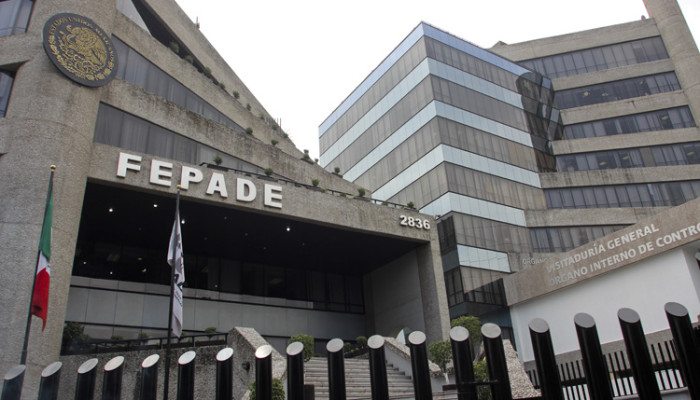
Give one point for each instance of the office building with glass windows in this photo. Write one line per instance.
(129, 100)
(525, 150)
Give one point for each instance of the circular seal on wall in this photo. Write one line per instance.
(80, 49)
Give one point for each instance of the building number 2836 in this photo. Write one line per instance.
(414, 222)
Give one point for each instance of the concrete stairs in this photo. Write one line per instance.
(357, 379)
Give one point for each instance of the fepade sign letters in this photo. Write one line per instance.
(161, 174)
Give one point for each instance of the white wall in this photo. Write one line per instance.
(396, 299)
(101, 304)
(644, 286)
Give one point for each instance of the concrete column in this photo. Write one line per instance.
(50, 120)
(681, 48)
(436, 313)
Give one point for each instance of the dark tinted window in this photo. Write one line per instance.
(670, 118)
(14, 16)
(6, 79)
(662, 194)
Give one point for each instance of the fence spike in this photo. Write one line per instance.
(12, 385)
(336, 369)
(596, 370)
(462, 361)
(112, 379)
(224, 374)
(149, 377)
(295, 371)
(687, 353)
(185, 375)
(638, 354)
(263, 372)
(85, 381)
(550, 382)
(496, 361)
(50, 380)
(419, 366)
(377, 368)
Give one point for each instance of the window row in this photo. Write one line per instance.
(674, 154)
(117, 128)
(402, 67)
(6, 79)
(475, 286)
(618, 90)
(327, 291)
(533, 85)
(14, 16)
(491, 235)
(385, 125)
(136, 69)
(670, 118)
(662, 194)
(560, 239)
(467, 99)
(599, 58)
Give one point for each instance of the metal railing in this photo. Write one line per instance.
(584, 379)
(123, 345)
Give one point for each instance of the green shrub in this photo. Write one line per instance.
(248, 107)
(277, 390)
(361, 341)
(410, 205)
(175, 47)
(440, 353)
(218, 160)
(481, 374)
(116, 337)
(236, 95)
(189, 58)
(274, 142)
(307, 341)
(315, 182)
(268, 171)
(361, 192)
(249, 130)
(210, 330)
(336, 170)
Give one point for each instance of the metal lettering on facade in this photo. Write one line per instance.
(161, 174)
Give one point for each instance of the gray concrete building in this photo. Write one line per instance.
(527, 150)
(271, 240)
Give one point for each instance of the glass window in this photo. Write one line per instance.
(14, 16)
(616, 55)
(671, 118)
(136, 69)
(633, 195)
(6, 79)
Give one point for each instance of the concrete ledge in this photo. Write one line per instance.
(655, 138)
(589, 216)
(620, 176)
(244, 342)
(624, 107)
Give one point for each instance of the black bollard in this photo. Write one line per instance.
(463, 363)
(50, 379)
(295, 371)
(594, 365)
(224, 374)
(496, 361)
(336, 370)
(419, 366)
(12, 383)
(638, 354)
(85, 382)
(149, 377)
(377, 368)
(545, 361)
(185, 376)
(112, 379)
(263, 373)
(687, 346)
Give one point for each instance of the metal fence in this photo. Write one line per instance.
(595, 376)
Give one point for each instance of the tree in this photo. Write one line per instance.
(441, 354)
(307, 341)
(473, 325)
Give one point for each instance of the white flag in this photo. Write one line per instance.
(176, 261)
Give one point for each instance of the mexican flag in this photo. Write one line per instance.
(40, 297)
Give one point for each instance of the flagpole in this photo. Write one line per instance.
(166, 378)
(23, 357)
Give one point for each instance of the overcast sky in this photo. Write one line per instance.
(302, 58)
